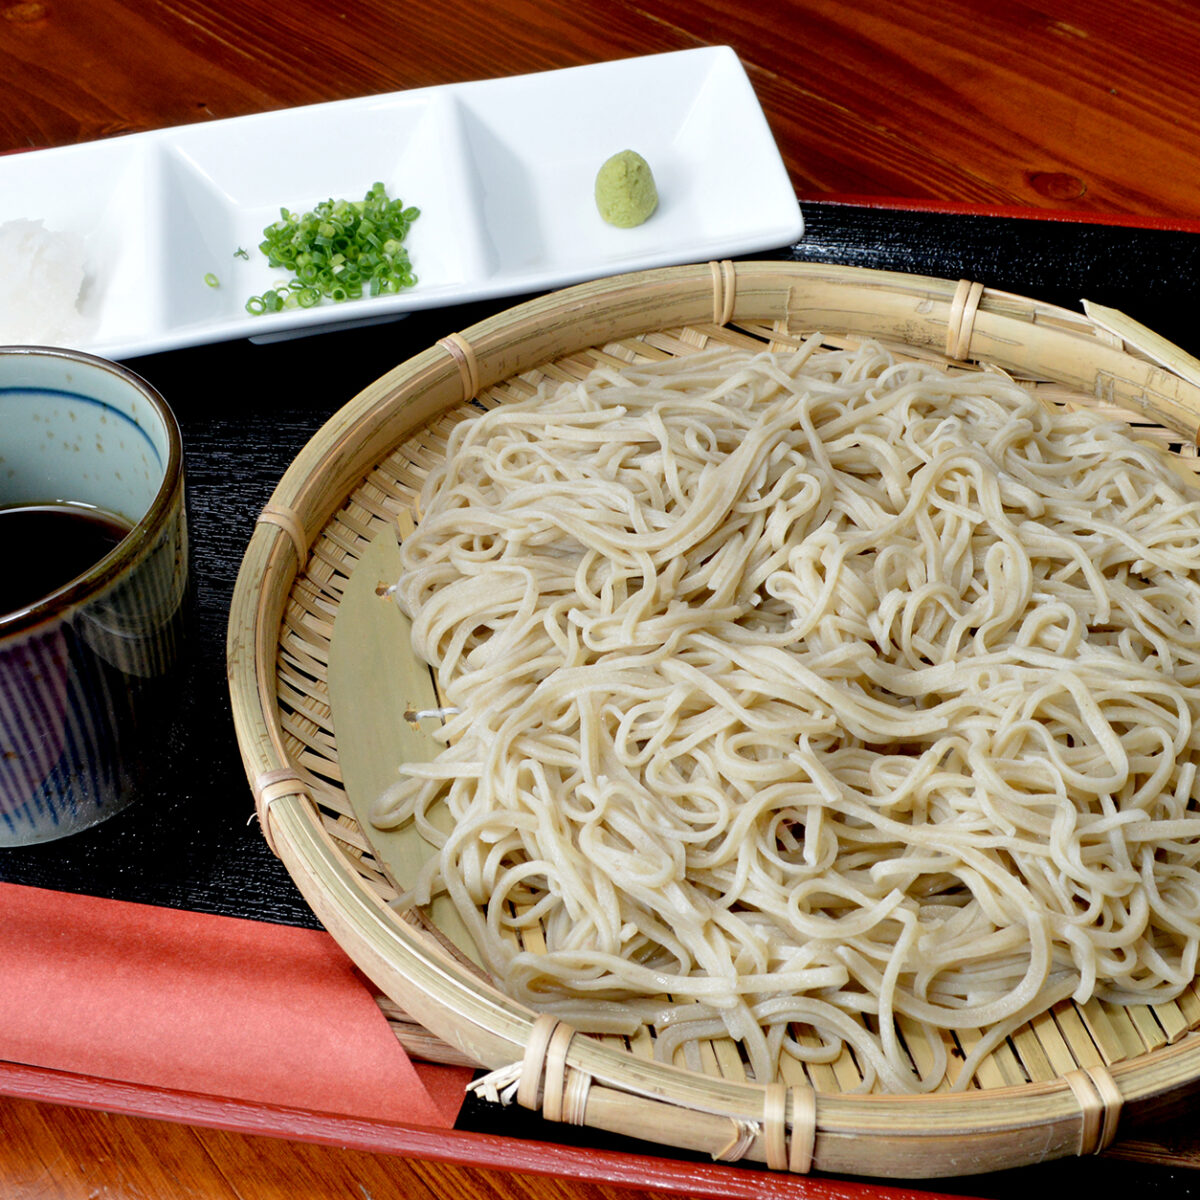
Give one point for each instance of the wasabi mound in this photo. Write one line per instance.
(625, 190)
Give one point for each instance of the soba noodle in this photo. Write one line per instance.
(814, 700)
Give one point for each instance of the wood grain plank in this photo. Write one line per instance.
(52, 1153)
(1090, 107)
(1079, 105)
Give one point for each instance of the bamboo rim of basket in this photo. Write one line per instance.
(1106, 358)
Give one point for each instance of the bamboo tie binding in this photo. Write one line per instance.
(724, 278)
(1100, 1102)
(287, 520)
(460, 350)
(961, 322)
(793, 1154)
(542, 1074)
(269, 787)
(543, 1078)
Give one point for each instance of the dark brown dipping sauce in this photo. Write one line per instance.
(48, 545)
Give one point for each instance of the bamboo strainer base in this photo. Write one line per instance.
(1057, 1087)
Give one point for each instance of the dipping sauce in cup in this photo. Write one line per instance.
(93, 587)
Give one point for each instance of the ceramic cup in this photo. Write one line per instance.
(88, 679)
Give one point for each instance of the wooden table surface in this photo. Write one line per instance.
(1087, 106)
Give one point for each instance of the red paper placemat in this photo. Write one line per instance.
(189, 1002)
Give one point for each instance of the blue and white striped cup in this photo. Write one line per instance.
(88, 672)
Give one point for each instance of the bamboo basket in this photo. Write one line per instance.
(1056, 1088)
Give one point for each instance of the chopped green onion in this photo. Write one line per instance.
(338, 251)
(240, 252)
(212, 280)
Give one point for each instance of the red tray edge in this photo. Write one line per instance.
(701, 1180)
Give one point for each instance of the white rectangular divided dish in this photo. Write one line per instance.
(502, 171)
